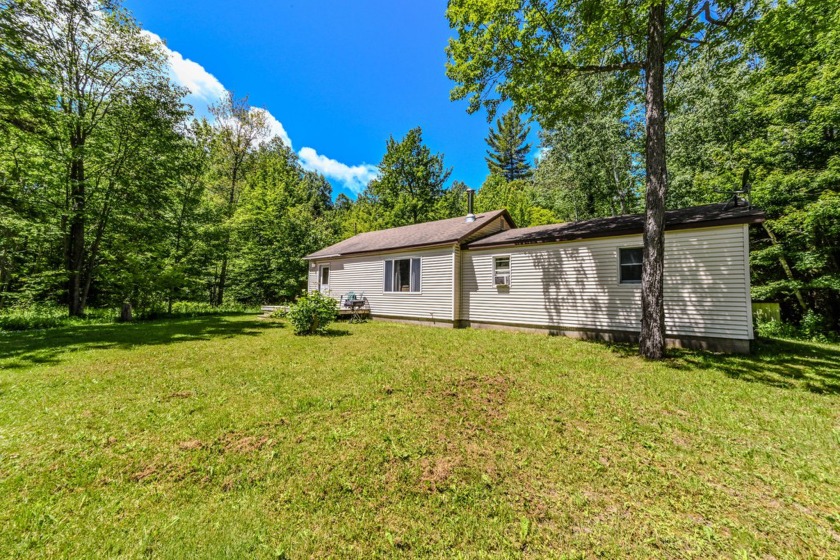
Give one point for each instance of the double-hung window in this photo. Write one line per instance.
(402, 275)
(630, 265)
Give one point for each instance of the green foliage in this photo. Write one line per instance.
(518, 197)
(44, 316)
(812, 327)
(32, 317)
(777, 115)
(410, 183)
(282, 214)
(509, 150)
(312, 313)
(591, 162)
(793, 150)
(199, 308)
(279, 313)
(173, 208)
(534, 52)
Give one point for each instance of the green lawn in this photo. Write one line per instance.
(230, 437)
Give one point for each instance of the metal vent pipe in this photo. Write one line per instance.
(470, 215)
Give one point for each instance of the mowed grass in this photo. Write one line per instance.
(230, 437)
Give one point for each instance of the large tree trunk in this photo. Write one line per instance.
(76, 235)
(652, 340)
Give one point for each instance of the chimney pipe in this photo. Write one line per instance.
(470, 215)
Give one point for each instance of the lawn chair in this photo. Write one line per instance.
(356, 304)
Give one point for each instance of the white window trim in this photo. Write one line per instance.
(509, 271)
(618, 266)
(411, 260)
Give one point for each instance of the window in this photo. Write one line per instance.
(501, 271)
(402, 275)
(630, 265)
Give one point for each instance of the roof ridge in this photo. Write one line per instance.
(436, 232)
(706, 215)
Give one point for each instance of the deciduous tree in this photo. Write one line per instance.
(532, 51)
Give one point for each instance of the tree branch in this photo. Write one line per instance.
(691, 17)
(707, 11)
(599, 68)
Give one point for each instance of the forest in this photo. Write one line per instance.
(113, 191)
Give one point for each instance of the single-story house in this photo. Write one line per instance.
(578, 279)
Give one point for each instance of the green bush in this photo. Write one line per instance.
(312, 313)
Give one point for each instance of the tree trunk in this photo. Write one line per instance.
(220, 292)
(76, 235)
(87, 276)
(125, 312)
(652, 339)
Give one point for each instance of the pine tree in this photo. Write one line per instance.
(508, 153)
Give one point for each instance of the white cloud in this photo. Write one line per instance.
(355, 178)
(275, 127)
(206, 89)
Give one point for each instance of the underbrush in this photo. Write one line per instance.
(52, 316)
(813, 327)
(49, 316)
(196, 309)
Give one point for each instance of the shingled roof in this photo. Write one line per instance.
(685, 218)
(441, 232)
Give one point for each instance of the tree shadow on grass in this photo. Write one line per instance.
(785, 364)
(26, 348)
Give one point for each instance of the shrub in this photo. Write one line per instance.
(312, 313)
(814, 327)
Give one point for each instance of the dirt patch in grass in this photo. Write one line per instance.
(237, 443)
(486, 395)
(180, 395)
(145, 473)
(190, 445)
(437, 471)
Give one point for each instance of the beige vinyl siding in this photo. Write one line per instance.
(576, 285)
(312, 284)
(367, 274)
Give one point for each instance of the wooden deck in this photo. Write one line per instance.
(344, 311)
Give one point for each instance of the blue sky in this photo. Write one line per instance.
(339, 76)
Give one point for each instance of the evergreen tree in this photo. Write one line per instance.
(508, 153)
